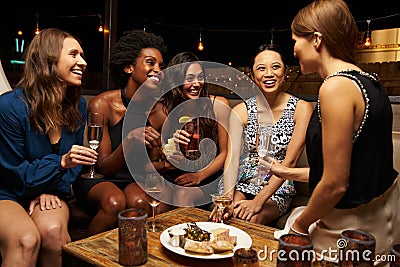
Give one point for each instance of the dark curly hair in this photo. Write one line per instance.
(128, 49)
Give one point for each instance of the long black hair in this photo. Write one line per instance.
(174, 78)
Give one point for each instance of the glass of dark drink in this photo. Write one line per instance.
(191, 126)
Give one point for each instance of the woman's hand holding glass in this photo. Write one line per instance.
(275, 167)
(221, 213)
(78, 155)
(264, 150)
(181, 137)
(95, 125)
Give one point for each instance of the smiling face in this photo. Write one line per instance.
(268, 71)
(71, 63)
(194, 81)
(148, 67)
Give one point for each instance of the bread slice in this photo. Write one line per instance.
(221, 246)
(220, 233)
(233, 239)
(198, 247)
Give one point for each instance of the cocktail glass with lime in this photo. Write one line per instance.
(191, 126)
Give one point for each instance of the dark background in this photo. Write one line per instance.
(230, 30)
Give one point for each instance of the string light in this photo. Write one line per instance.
(37, 24)
(368, 40)
(100, 24)
(200, 47)
(100, 28)
(273, 31)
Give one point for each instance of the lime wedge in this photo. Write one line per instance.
(184, 119)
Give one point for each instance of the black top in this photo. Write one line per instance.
(136, 114)
(371, 170)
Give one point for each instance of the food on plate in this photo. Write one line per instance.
(222, 234)
(170, 147)
(198, 240)
(233, 239)
(203, 247)
(221, 246)
(194, 232)
(208, 247)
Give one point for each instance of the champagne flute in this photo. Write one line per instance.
(263, 144)
(95, 124)
(221, 200)
(154, 187)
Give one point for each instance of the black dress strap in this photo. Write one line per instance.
(125, 99)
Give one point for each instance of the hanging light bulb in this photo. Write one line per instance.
(100, 24)
(37, 24)
(200, 47)
(368, 39)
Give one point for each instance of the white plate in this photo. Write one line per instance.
(243, 240)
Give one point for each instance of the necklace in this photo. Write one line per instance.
(374, 77)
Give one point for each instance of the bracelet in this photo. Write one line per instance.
(297, 232)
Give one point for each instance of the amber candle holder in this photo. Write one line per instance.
(358, 249)
(294, 251)
(132, 237)
(245, 257)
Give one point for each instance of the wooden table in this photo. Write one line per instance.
(102, 249)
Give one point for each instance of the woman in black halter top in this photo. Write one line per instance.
(136, 59)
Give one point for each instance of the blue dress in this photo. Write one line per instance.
(28, 165)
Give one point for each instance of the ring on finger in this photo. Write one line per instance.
(80, 151)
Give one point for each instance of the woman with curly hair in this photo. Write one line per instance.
(136, 59)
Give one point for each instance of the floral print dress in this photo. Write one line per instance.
(282, 132)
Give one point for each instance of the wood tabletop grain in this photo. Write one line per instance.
(102, 249)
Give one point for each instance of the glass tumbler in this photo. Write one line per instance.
(359, 249)
(294, 251)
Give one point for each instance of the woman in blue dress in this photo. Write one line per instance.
(42, 123)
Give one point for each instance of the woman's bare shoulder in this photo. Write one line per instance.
(106, 99)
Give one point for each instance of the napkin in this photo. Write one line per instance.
(170, 147)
